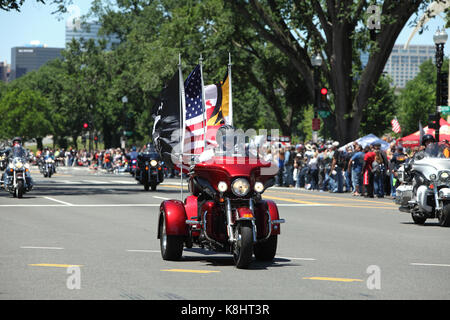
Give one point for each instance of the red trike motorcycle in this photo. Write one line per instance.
(224, 213)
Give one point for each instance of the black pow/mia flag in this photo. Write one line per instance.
(167, 117)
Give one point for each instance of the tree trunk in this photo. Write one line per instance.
(39, 144)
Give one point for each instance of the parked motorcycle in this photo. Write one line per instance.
(149, 171)
(425, 188)
(224, 213)
(17, 179)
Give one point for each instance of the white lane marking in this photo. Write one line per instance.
(69, 181)
(83, 205)
(62, 202)
(162, 198)
(45, 248)
(303, 205)
(291, 258)
(138, 250)
(123, 182)
(95, 182)
(430, 264)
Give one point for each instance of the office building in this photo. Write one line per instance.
(76, 29)
(4, 71)
(403, 64)
(31, 57)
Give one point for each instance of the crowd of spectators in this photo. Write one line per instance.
(364, 171)
(113, 159)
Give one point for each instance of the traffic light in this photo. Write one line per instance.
(323, 93)
(85, 125)
(433, 121)
(444, 89)
(315, 124)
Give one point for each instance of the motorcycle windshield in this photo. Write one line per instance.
(436, 150)
(18, 152)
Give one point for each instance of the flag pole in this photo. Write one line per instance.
(203, 101)
(230, 97)
(182, 113)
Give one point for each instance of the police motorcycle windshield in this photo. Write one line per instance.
(435, 150)
(18, 152)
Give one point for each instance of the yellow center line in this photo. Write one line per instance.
(325, 204)
(54, 265)
(189, 271)
(330, 197)
(291, 200)
(333, 279)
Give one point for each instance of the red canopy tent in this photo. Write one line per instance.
(413, 139)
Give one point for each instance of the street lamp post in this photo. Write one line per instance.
(439, 38)
(123, 138)
(316, 62)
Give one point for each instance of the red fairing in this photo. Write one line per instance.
(175, 217)
(227, 168)
(261, 213)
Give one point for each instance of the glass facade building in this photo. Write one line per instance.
(29, 58)
(75, 29)
(403, 64)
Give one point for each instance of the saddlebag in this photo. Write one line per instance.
(404, 193)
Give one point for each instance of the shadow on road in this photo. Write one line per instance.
(215, 259)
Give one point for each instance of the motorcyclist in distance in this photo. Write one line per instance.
(17, 150)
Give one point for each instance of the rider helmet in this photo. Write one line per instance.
(17, 141)
(428, 138)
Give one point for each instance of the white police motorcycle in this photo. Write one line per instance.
(425, 189)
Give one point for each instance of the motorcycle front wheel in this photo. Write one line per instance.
(444, 217)
(20, 189)
(243, 247)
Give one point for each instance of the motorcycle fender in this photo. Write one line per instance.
(174, 217)
(422, 193)
(444, 194)
(261, 217)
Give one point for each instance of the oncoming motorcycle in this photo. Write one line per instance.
(425, 189)
(17, 179)
(225, 211)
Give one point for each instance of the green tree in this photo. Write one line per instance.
(26, 113)
(338, 31)
(418, 99)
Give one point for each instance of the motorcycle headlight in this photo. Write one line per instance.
(222, 186)
(444, 175)
(19, 165)
(432, 177)
(240, 187)
(259, 187)
(153, 163)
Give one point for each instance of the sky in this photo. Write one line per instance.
(36, 23)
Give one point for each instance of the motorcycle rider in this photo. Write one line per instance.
(426, 140)
(47, 154)
(17, 148)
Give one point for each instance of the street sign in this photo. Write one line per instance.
(444, 109)
(324, 114)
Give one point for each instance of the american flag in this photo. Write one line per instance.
(395, 125)
(195, 118)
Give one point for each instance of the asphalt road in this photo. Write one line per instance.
(79, 235)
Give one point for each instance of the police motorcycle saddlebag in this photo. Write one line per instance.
(404, 193)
